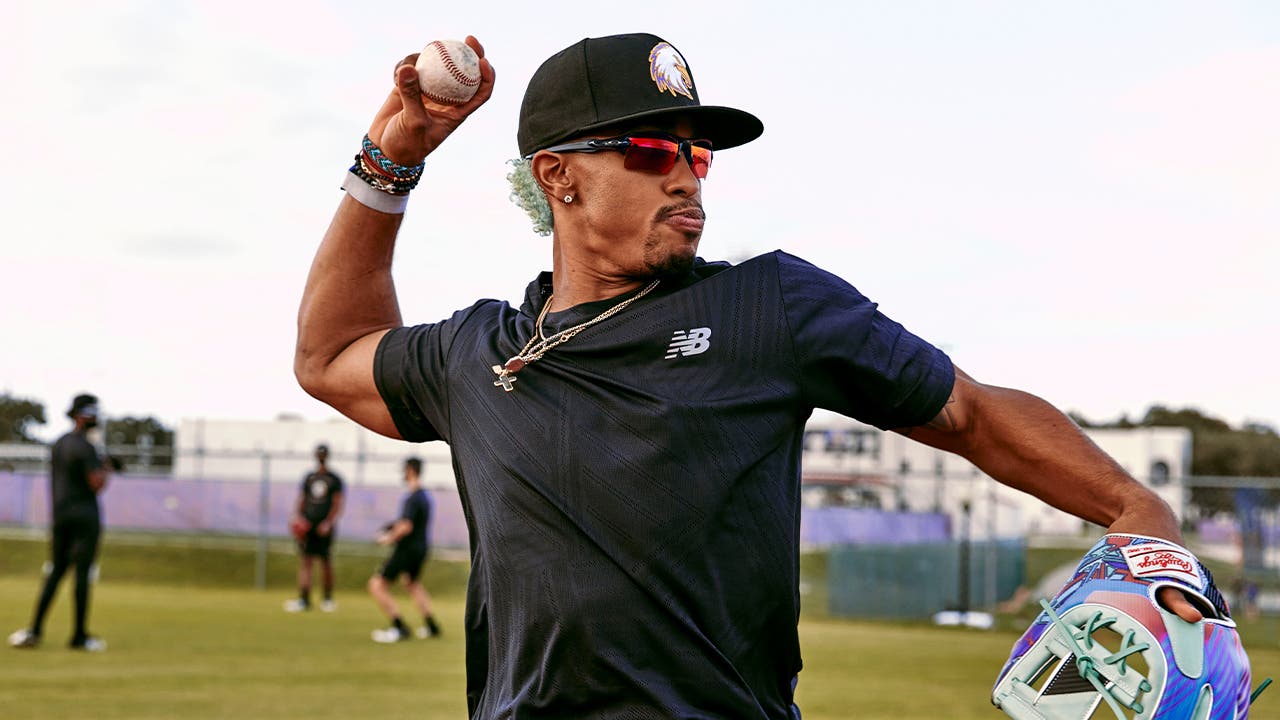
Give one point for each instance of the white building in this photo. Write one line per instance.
(284, 450)
(845, 462)
(848, 461)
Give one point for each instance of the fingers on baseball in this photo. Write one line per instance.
(485, 91)
(487, 76)
(410, 60)
(407, 84)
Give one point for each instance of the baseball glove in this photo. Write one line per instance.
(1104, 638)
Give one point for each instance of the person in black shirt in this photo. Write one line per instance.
(411, 536)
(627, 441)
(77, 476)
(320, 500)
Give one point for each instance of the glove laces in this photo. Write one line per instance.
(1080, 640)
(1086, 665)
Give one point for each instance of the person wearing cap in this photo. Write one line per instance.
(320, 502)
(627, 441)
(77, 475)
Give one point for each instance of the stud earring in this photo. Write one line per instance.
(568, 199)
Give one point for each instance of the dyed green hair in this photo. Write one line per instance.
(528, 194)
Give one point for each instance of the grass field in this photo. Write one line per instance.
(190, 639)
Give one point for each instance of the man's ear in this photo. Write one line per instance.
(552, 174)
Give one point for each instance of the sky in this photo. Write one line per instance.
(1080, 200)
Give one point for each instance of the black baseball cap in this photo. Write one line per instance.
(621, 79)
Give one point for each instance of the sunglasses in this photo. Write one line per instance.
(649, 154)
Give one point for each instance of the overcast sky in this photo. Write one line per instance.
(1078, 199)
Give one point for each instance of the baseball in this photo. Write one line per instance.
(448, 72)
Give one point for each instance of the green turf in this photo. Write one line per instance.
(218, 561)
(190, 653)
(196, 641)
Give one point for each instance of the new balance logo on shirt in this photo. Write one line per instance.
(689, 342)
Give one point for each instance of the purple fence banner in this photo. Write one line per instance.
(228, 506)
(235, 506)
(830, 526)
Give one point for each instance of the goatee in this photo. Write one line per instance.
(673, 267)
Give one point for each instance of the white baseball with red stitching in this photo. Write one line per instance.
(448, 72)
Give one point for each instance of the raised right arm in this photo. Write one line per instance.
(348, 305)
(349, 301)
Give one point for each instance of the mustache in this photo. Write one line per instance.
(692, 209)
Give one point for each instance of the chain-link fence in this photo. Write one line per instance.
(235, 493)
(976, 560)
(956, 532)
(1236, 521)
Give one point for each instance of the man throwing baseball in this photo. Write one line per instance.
(627, 440)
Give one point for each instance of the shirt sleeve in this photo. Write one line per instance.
(410, 369)
(89, 456)
(853, 359)
(408, 507)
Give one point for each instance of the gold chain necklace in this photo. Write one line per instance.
(540, 345)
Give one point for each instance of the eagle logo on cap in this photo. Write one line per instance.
(669, 71)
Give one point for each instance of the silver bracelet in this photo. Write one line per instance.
(365, 194)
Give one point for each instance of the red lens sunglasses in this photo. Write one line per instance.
(649, 154)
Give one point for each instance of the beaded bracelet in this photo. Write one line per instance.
(371, 166)
(384, 183)
(377, 182)
(408, 183)
(388, 165)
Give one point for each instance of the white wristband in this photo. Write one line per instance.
(367, 195)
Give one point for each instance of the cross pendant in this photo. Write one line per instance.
(505, 380)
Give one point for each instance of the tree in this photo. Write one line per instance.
(16, 415)
(1218, 450)
(140, 442)
(1086, 423)
(1190, 418)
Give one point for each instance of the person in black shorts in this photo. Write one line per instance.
(314, 525)
(411, 536)
(77, 476)
(626, 440)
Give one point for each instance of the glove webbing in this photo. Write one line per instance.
(1085, 662)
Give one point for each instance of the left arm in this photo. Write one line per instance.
(1025, 443)
(397, 530)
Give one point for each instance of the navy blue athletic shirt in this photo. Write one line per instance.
(416, 508)
(634, 503)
